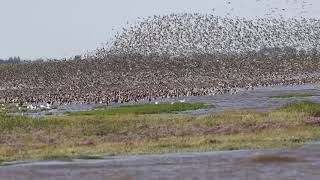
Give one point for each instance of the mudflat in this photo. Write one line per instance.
(301, 163)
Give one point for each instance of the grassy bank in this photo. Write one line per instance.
(290, 95)
(129, 132)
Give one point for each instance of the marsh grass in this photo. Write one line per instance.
(57, 158)
(308, 107)
(49, 114)
(290, 95)
(89, 136)
(5, 108)
(145, 109)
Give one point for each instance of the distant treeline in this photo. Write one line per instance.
(18, 60)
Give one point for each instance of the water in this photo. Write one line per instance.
(226, 165)
(257, 99)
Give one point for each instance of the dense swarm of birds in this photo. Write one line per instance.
(173, 56)
(188, 34)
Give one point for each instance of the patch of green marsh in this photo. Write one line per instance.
(146, 109)
(308, 107)
(80, 136)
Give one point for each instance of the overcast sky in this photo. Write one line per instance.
(64, 28)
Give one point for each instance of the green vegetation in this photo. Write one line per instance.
(4, 108)
(48, 113)
(94, 135)
(308, 107)
(290, 95)
(146, 109)
(57, 157)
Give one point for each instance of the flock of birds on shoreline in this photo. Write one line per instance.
(174, 56)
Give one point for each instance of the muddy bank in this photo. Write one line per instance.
(302, 163)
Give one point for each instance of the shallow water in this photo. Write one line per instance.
(257, 99)
(212, 165)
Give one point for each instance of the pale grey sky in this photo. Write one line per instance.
(64, 28)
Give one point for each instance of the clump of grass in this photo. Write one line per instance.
(308, 107)
(5, 108)
(146, 109)
(269, 158)
(48, 113)
(8, 122)
(57, 158)
(87, 157)
(290, 95)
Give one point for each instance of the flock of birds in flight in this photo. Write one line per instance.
(175, 55)
(187, 34)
